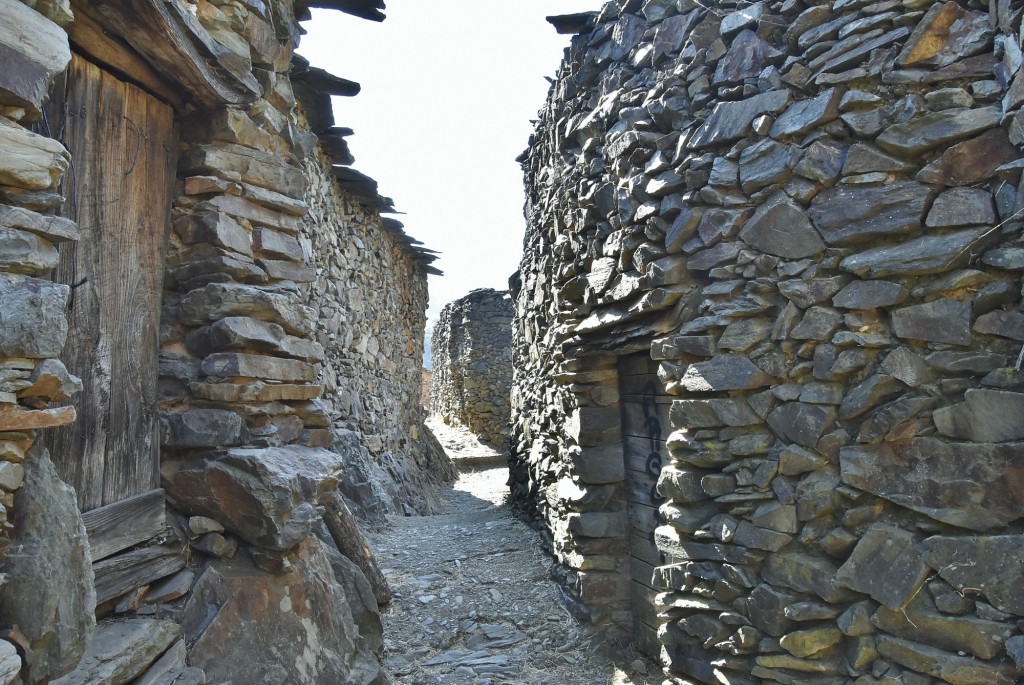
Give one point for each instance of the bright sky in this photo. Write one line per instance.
(449, 89)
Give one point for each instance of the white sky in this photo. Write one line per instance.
(449, 89)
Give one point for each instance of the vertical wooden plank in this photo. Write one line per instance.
(645, 425)
(124, 147)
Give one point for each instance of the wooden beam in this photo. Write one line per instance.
(176, 45)
(122, 573)
(93, 41)
(118, 526)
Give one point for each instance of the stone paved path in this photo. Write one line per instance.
(474, 604)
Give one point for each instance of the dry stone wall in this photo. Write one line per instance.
(290, 333)
(808, 217)
(471, 352)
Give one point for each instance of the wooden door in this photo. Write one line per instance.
(124, 147)
(645, 426)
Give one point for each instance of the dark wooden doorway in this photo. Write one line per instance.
(124, 145)
(645, 425)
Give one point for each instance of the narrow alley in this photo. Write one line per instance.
(474, 603)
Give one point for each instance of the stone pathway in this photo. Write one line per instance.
(474, 604)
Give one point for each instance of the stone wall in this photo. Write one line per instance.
(471, 352)
(369, 300)
(279, 397)
(809, 218)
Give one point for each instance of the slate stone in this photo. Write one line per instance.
(943, 665)
(267, 497)
(989, 566)
(864, 158)
(53, 228)
(214, 228)
(962, 207)
(971, 161)
(917, 257)
(805, 643)
(245, 625)
(721, 253)
(849, 215)
(944, 320)
(241, 332)
(972, 485)
(766, 163)
(856, 621)
(33, 320)
(10, 663)
(742, 335)
(219, 300)
(983, 416)
(805, 573)
(945, 35)
(806, 115)
(51, 379)
(822, 162)
(230, 364)
(870, 295)
(730, 121)
(49, 594)
(868, 394)
(937, 129)
(1009, 258)
(818, 323)
(35, 50)
(1001, 323)
(681, 485)
(121, 651)
(922, 621)
(747, 56)
(716, 224)
(713, 413)
(201, 428)
(779, 227)
(724, 372)
(801, 423)
(742, 18)
(887, 564)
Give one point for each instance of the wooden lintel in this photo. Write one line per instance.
(120, 525)
(175, 45)
(90, 39)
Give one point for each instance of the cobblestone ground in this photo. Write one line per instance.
(474, 604)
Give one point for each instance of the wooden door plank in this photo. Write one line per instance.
(123, 524)
(124, 145)
(123, 573)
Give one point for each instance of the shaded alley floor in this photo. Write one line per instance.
(474, 604)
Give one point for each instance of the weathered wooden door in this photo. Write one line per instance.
(123, 143)
(645, 425)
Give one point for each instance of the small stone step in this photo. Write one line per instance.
(121, 651)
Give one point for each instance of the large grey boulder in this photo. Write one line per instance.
(33, 319)
(50, 594)
(247, 626)
(265, 496)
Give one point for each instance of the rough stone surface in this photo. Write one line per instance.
(293, 628)
(841, 233)
(51, 603)
(121, 651)
(265, 496)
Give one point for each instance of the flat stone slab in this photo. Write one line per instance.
(121, 651)
(977, 486)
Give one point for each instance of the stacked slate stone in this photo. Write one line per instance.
(249, 580)
(471, 352)
(810, 215)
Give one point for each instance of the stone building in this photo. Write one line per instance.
(768, 387)
(471, 352)
(192, 395)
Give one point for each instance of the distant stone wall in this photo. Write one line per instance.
(471, 352)
(809, 219)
